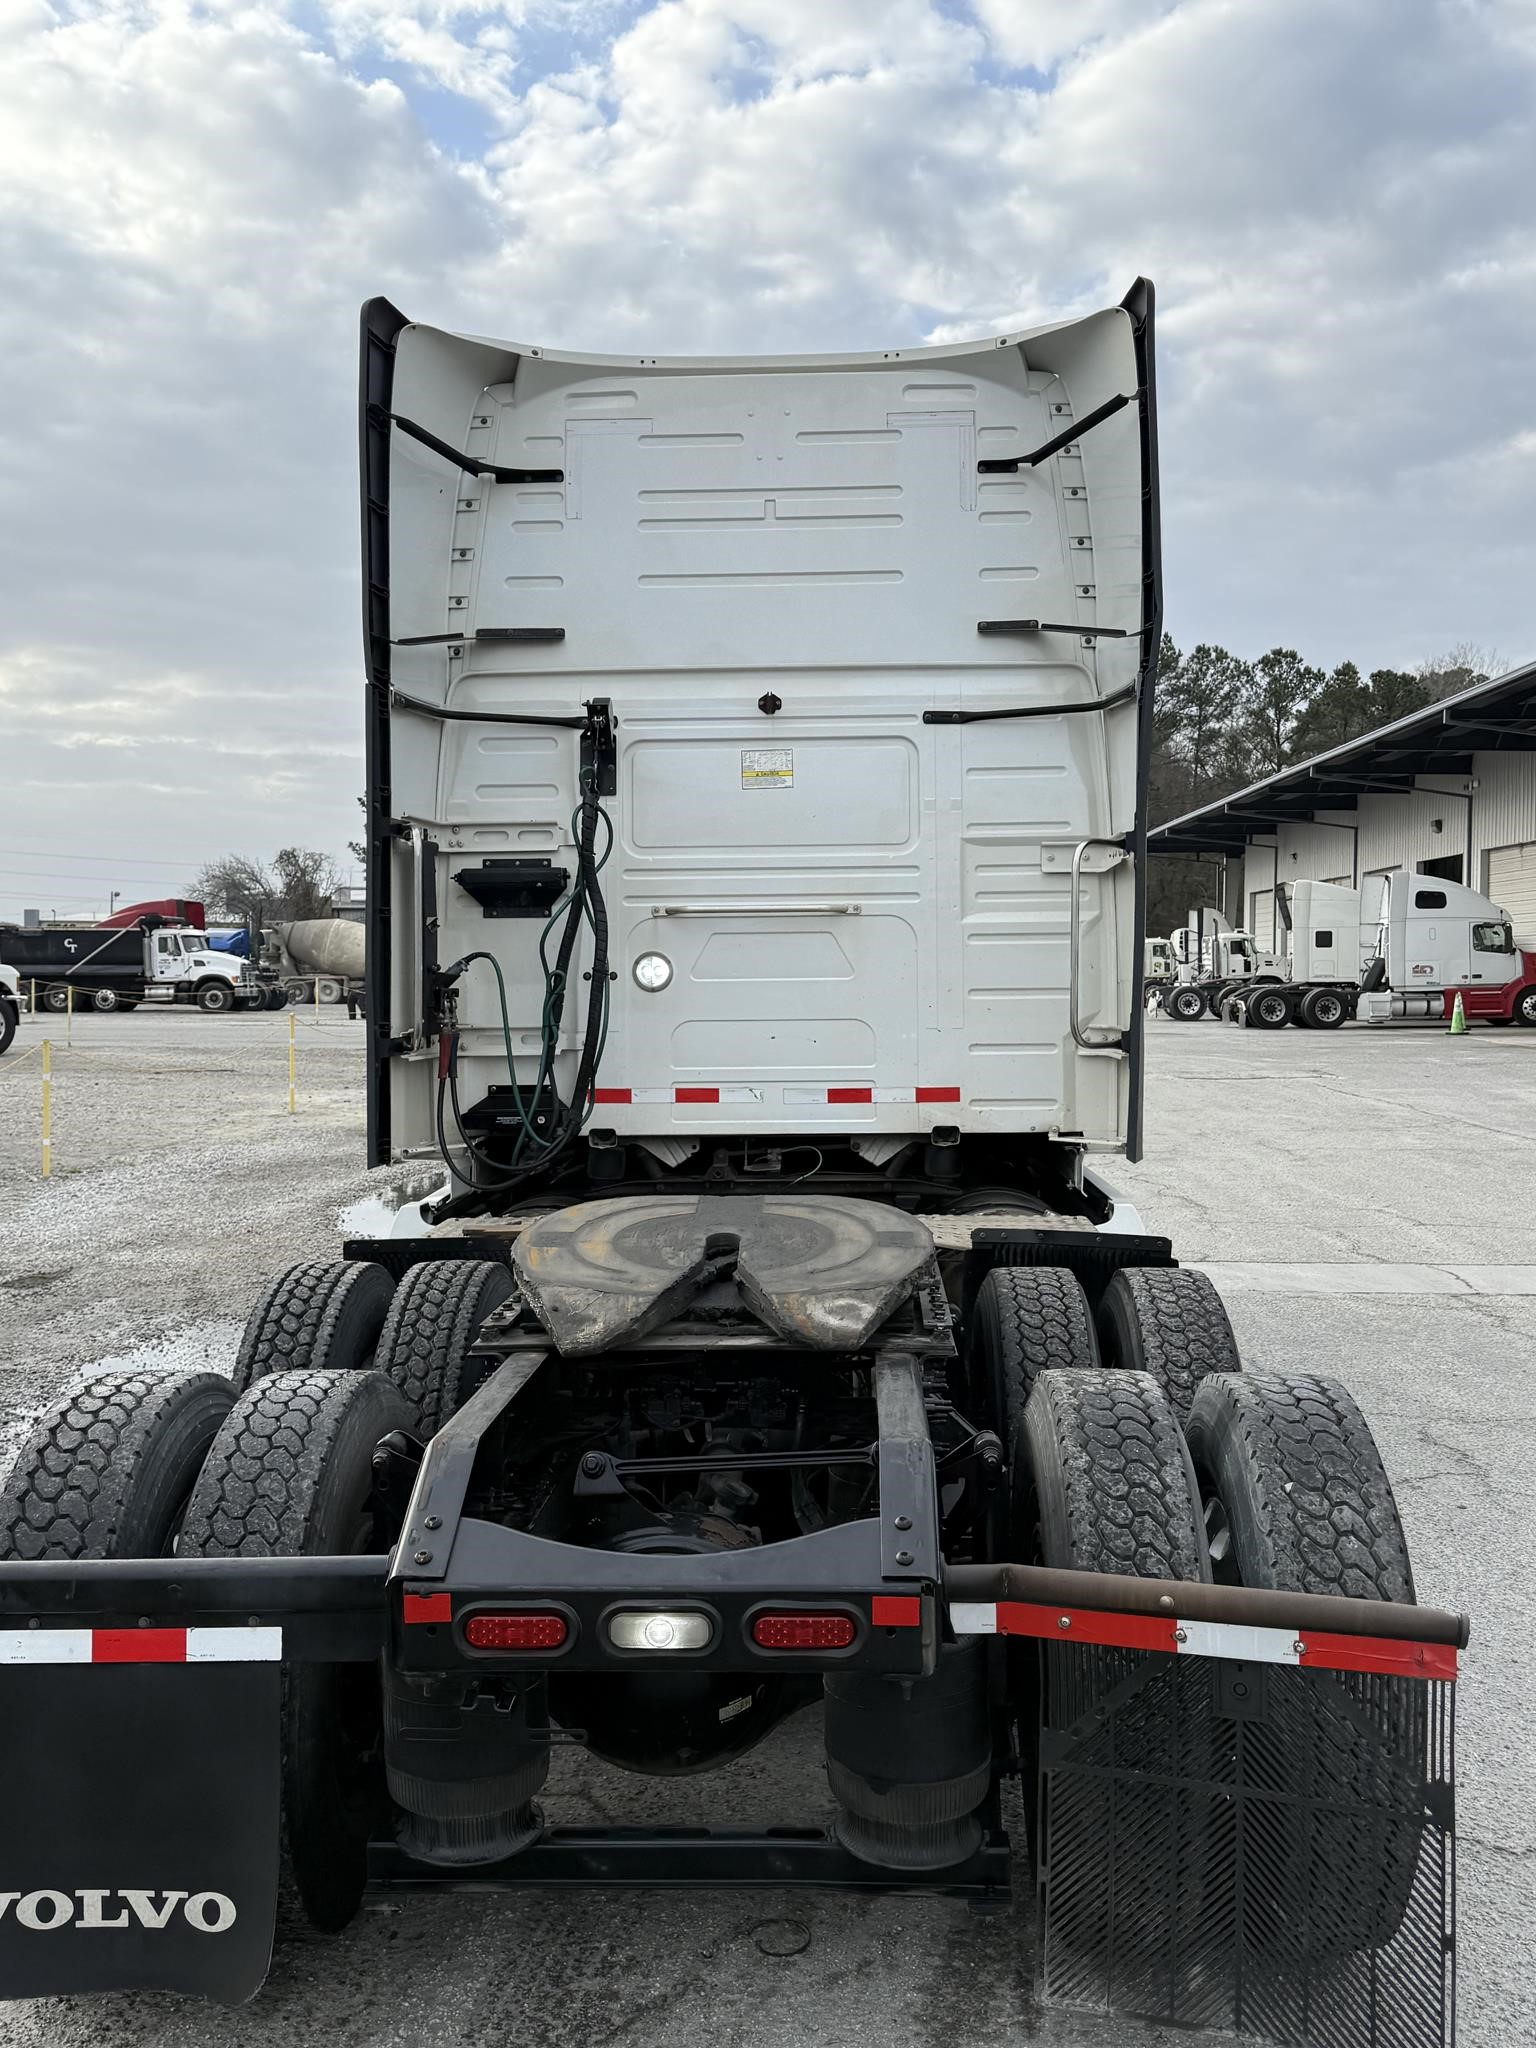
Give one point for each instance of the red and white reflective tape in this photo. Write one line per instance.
(141, 1645)
(853, 1092)
(1309, 1648)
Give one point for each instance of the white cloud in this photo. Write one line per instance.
(1333, 201)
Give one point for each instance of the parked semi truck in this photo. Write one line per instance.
(107, 968)
(756, 947)
(1210, 959)
(1404, 947)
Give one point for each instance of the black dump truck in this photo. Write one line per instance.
(755, 960)
(153, 961)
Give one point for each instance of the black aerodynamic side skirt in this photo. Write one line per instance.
(381, 323)
(1139, 302)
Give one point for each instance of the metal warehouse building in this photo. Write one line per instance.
(1449, 791)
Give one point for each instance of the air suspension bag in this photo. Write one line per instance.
(910, 1760)
(463, 1768)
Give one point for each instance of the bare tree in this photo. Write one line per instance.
(1459, 668)
(297, 883)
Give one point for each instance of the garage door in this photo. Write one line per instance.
(1261, 916)
(1512, 885)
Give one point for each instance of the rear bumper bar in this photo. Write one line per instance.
(350, 1609)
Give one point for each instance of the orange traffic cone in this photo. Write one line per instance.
(1458, 1017)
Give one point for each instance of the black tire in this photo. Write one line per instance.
(290, 1474)
(1026, 1320)
(56, 1000)
(1525, 1006)
(1185, 1003)
(215, 998)
(1110, 1477)
(10, 1017)
(277, 997)
(1300, 1485)
(1322, 1009)
(433, 1319)
(1269, 1009)
(107, 1469)
(1170, 1322)
(324, 1315)
(1297, 1498)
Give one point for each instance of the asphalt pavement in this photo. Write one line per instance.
(1364, 1200)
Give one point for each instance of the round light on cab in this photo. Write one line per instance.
(653, 971)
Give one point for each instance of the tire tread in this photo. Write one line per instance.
(1131, 1499)
(436, 1311)
(72, 1486)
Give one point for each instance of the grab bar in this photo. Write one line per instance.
(1090, 1040)
(757, 909)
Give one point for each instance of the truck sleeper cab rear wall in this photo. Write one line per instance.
(833, 910)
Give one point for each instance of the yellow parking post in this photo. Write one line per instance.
(33, 1011)
(47, 1109)
(292, 1061)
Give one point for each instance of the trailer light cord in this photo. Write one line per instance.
(536, 1150)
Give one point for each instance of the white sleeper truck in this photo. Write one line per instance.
(1404, 946)
(757, 757)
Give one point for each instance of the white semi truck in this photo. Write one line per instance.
(1210, 958)
(1405, 946)
(756, 945)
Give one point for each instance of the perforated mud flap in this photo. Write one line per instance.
(139, 1829)
(1255, 1847)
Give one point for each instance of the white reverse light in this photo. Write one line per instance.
(639, 1630)
(653, 971)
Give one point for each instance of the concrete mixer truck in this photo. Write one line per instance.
(317, 959)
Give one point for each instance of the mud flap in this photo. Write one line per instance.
(140, 1837)
(1255, 1847)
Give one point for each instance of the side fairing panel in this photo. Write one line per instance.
(777, 573)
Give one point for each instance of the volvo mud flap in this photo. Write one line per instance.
(139, 1850)
(1240, 1845)
(1247, 1813)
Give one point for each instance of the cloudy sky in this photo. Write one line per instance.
(1334, 198)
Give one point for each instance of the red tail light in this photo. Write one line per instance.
(544, 1631)
(803, 1631)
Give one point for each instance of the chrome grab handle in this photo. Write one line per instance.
(1098, 1037)
(757, 909)
(417, 997)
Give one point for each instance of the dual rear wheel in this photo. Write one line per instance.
(1138, 1445)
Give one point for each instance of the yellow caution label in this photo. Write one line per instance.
(767, 768)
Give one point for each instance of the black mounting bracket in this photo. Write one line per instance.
(600, 747)
(1010, 465)
(471, 464)
(517, 886)
(1042, 626)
